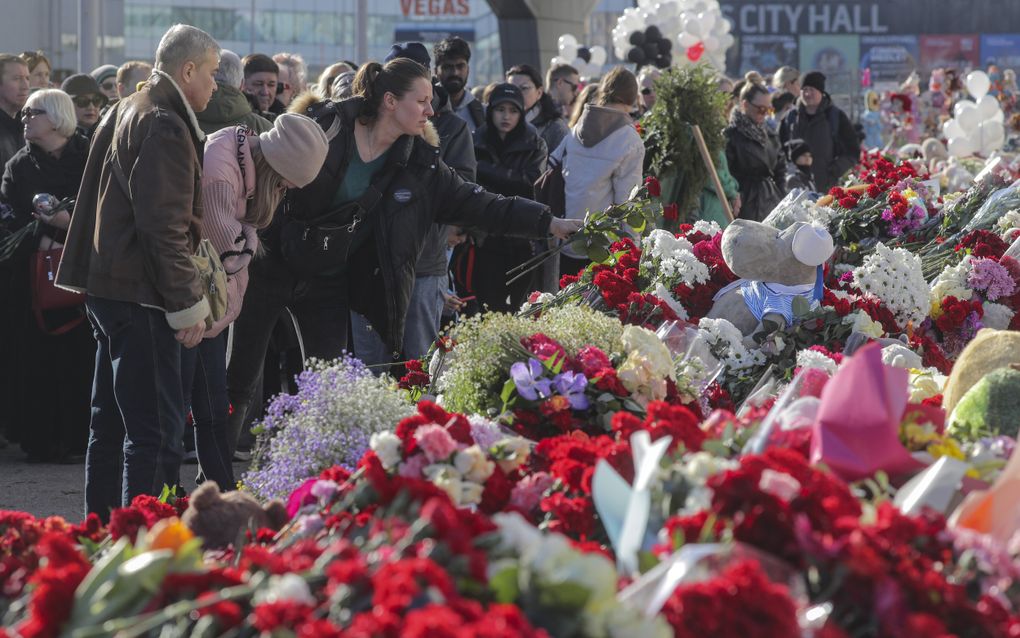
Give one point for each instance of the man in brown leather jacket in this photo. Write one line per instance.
(129, 248)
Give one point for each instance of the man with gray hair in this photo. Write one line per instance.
(129, 249)
(292, 76)
(229, 106)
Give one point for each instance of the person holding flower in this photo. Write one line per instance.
(244, 178)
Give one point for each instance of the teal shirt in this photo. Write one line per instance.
(357, 180)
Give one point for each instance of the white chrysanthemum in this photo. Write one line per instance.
(1007, 224)
(708, 227)
(662, 244)
(727, 343)
(997, 316)
(952, 281)
(671, 259)
(894, 277)
(812, 360)
(663, 293)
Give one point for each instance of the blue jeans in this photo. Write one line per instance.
(137, 405)
(424, 316)
(204, 380)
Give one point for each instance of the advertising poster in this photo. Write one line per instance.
(958, 52)
(766, 53)
(891, 58)
(834, 55)
(1002, 49)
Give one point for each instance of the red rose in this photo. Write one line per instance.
(653, 186)
(280, 615)
(671, 212)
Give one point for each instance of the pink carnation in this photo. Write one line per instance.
(527, 494)
(413, 467)
(435, 441)
(990, 277)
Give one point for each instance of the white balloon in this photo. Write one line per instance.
(952, 129)
(960, 147)
(598, 55)
(568, 51)
(666, 9)
(557, 60)
(726, 40)
(707, 21)
(621, 53)
(686, 40)
(724, 26)
(711, 44)
(978, 84)
(566, 41)
(969, 118)
(987, 106)
(999, 117)
(993, 135)
(693, 26)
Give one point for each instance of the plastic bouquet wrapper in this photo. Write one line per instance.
(993, 511)
(797, 206)
(697, 368)
(937, 487)
(701, 562)
(856, 433)
(998, 204)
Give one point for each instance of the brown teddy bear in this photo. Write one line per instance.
(220, 518)
(774, 266)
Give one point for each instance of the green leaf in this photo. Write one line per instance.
(505, 585)
(646, 561)
(598, 254)
(508, 391)
(567, 597)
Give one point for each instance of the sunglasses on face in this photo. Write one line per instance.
(82, 101)
(646, 91)
(281, 87)
(761, 110)
(29, 112)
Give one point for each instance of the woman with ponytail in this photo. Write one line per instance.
(383, 183)
(244, 178)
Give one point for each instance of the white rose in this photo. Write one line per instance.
(386, 446)
(473, 464)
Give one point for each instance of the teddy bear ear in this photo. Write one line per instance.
(205, 496)
(277, 513)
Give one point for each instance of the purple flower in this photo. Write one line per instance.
(992, 278)
(528, 379)
(887, 215)
(572, 385)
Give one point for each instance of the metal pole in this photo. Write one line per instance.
(251, 35)
(88, 35)
(361, 31)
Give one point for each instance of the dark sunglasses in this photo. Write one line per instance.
(646, 91)
(81, 101)
(281, 87)
(28, 112)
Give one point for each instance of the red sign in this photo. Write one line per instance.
(435, 8)
(958, 52)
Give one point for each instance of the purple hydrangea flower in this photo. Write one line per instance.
(991, 278)
(528, 379)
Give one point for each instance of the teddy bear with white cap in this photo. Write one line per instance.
(775, 266)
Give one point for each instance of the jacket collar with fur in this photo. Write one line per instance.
(192, 119)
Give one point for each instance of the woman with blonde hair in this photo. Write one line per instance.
(787, 78)
(585, 97)
(244, 178)
(50, 361)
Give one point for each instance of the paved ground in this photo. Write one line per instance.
(47, 489)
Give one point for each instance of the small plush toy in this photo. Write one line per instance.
(872, 121)
(774, 267)
(220, 518)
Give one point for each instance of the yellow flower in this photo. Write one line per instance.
(909, 194)
(169, 533)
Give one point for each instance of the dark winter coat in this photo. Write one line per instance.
(424, 190)
(229, 107)
(32, 171)
(136, 244)
(457, 152)
(799, 177)
(549, 122)
(830, 136)
(12, 136)
(511, 166)
(759, 169)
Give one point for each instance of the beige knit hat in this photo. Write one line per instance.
(295, 147)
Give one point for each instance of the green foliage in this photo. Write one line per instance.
(684, 97)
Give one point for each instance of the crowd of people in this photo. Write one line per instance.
(372, 206)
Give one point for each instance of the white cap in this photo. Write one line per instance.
(812, 245)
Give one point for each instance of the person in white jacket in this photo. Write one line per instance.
(243, 180)
(602, 157)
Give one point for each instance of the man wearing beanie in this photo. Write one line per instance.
(429, 294)
(106, 77)
(825, 129)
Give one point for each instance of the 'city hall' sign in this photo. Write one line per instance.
(786, 17)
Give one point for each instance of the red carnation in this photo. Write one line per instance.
(653, 186)
(671, 212)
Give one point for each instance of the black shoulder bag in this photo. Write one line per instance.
(318, 244)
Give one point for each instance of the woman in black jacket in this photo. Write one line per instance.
(754, 154)
(52, 374)
(511, 156)
(380, 137)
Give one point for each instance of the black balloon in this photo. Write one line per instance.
(653, 34)
(584, 54)
(664, 60)
(651, 50)
(636, 55)
(637, 38)
(665, 45)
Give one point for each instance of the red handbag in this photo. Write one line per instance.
(46, 296)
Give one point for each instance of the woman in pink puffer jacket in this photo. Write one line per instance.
(244, 177)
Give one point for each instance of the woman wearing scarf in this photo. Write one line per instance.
(754, 154)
